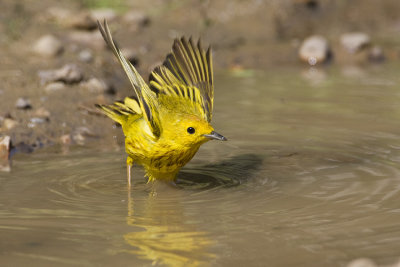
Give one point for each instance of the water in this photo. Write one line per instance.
(310, 177)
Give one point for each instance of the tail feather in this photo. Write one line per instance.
(120, 111)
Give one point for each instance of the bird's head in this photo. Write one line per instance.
(191, 130)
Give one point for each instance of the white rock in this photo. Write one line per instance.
(355, 41)
(54, 86)
(361, 262)
(314, 50)
(86, 55)
(48, 46)
(33, 122)
(95, 85)
(23, 103)
(69, 73)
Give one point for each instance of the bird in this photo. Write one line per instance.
(169, 118)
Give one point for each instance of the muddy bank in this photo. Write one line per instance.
(55, 66)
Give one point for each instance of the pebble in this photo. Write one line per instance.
(66, 139)
(314, 50)
(54, 86)
(103, 14)
(48, 46)
(95, 85)
(376, 54)
(355, 41)
(23, 103)
(5, 146)
(42, 113)
(86, 55)
(9, 123)
(69, 74)
(82, 21)
(361, 262)
(35, 121)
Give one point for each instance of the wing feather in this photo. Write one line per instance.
(148, 102)
(189, 70)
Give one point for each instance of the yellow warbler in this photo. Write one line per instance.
(170, 118)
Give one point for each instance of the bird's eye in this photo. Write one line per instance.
(191, 130)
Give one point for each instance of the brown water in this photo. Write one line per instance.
(310, 177)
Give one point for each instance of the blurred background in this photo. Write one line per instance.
(306, 91)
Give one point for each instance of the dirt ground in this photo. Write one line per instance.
(253, 34)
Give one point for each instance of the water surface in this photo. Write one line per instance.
(310, 177)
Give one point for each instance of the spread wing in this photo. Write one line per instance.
(147, 99)
(187, 72)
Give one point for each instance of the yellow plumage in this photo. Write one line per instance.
(165, 126)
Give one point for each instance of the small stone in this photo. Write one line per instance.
(5, 146)
(103, 14)
(48, 46)
(82, 21)
(95, 85)
(9, 123)
(355, 41)
(314, 50)
(68, 74)
(54, 86)
(66, 139)
(361, 262)
(35, 121)
(42, 113)
(376, 54)
(23, 103)
(86, 55)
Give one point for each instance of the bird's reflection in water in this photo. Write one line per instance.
(163, 233)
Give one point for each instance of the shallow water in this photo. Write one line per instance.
(310, 177)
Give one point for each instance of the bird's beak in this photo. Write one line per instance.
(216, 136)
